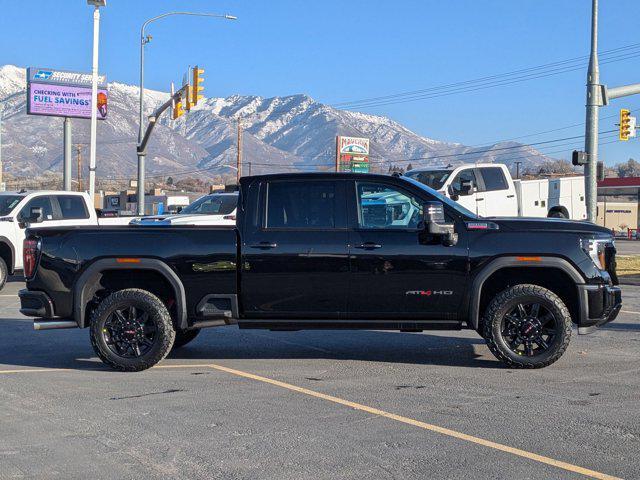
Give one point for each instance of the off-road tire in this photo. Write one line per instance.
(4, 273)
(185, 336)
(501, 305)
(145, 301)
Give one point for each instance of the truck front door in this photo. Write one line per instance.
(295, 260)
(398, 271)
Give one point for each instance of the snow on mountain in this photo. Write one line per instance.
(292, 133)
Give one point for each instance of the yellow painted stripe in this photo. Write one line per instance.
(374, 411)
(427, 426)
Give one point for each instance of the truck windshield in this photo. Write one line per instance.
(215, 204)
(8, 203)
(431, 178)
(441, 198)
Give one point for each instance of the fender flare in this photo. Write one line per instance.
(506, 262)
(12, 262)
(83, 289)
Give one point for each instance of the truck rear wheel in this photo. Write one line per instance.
(185, 336)
(4, 273)
(527, 326)
(131, 330)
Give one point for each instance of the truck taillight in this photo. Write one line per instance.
(30, 256)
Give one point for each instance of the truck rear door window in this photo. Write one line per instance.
(493, 179)
(72, 207)
(301, 205)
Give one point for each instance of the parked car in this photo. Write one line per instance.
(212, 209)
(488, 190)
(51, 209)
(332, 251)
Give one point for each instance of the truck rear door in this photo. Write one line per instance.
(499, 196)
(295, 261)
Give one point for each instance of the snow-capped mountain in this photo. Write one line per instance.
(292, 133)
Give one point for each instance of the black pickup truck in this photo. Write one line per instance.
(326, 251)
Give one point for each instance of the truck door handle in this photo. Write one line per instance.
(368, 246)
(264, 245)
(479, 199)
(510, 196)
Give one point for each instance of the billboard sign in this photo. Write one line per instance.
(352, 154)
(63, 94)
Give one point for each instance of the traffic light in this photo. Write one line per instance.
(196, 85)
(578, 158)
(627, 125)
(178, 111)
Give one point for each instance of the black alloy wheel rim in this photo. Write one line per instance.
(529, 329)
(130, 332)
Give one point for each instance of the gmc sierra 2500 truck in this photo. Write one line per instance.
(326, 251)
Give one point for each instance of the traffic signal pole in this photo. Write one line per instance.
(598, 95)
(594, 101)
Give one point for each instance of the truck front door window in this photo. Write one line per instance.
(381, 206)
(461, 179)
(43, 202)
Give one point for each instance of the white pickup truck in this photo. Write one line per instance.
(58, 209)
(488, 190)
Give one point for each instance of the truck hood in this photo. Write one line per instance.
(548, 225)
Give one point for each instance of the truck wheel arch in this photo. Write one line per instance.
(509, 262)
(84, 288)
(8, 253)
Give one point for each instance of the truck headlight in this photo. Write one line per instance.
(595, 250)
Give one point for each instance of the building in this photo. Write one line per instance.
(618, 203)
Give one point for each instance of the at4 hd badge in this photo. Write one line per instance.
(429, 293)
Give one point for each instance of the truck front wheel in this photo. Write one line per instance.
(131, 330)
(527, 326)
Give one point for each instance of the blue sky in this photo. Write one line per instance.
(340, 51)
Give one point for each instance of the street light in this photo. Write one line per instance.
(94, 95)
(144, 39)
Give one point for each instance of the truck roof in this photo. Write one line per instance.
(316, 175)
(24, 193)
(453, 167)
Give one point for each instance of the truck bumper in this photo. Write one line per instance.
(38, 304)
(599, 304)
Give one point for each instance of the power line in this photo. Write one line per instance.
(489, 81)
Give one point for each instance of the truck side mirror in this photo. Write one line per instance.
(434, 221)
(35, 215)
(453, 195)
(467, 187)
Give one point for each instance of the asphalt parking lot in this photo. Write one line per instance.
(239, 404)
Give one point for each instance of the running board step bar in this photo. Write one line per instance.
(53, 324)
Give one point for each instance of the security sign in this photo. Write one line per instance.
(60, 93)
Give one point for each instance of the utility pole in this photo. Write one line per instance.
(239, 152)
(94, 95)
(79, 159)
(518, 169)
(66, 166)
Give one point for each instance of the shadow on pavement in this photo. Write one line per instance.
(72, 348)
(632, 327)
